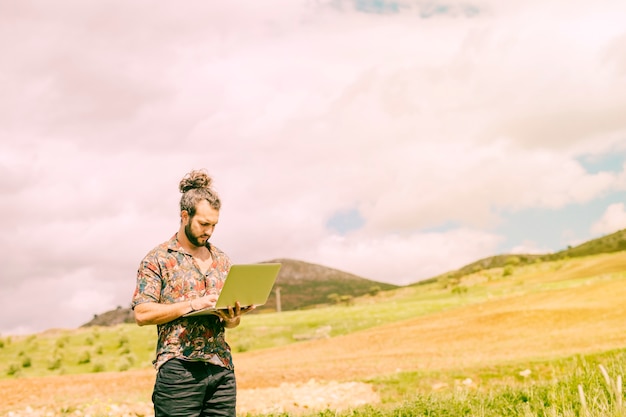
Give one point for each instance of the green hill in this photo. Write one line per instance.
(606, 244)
(305, 285)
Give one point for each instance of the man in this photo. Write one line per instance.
(195, 373)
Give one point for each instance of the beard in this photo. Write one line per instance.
(194, 239)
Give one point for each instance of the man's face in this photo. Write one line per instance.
(199, 228)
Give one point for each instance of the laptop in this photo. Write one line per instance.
(250, 284)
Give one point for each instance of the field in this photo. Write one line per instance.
(528, 324)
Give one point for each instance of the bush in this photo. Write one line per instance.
(60, 343)
(97, 367)
(374, 290)
(54, 363)
(123, 341)
(84, 357)
(123, 366)
(125, 363)
(459, 290)
(13, 369)
(26, 362)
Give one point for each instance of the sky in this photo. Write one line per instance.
(392, 139)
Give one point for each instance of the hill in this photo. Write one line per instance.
(301, 284)
(305, 285)
(614, 242)
(111, 318)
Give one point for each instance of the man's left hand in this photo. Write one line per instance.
(232, 315)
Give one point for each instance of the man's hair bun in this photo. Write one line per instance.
(195, 187)
(195, 179)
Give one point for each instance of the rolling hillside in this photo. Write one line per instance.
(613, 242)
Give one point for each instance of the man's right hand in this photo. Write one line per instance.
(208, 301)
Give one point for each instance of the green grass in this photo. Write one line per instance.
(584, 386)
(84, 350)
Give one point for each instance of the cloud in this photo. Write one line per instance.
(406, 259)
(613, 219)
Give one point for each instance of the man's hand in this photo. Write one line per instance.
(203, 302)
(232, 315)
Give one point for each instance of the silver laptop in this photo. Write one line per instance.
(250, 284)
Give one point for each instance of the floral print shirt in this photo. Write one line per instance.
(168, 274)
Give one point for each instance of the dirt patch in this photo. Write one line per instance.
(287, 398)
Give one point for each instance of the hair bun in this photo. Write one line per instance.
(195, 179)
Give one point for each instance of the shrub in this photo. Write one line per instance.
(125, 363)
(346, 299)
(54, 363)
(459, 290)
(26, 362)
(97, 367)
(123, 341)
(60, 343)
(13, 369)
(84, 357)
(374, 290)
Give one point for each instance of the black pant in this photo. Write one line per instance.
(194, 389)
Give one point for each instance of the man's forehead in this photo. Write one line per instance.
(204, 212)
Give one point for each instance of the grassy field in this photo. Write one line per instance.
(540, 339)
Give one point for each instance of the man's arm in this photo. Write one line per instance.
(157, 313)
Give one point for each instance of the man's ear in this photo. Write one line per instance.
(184, 216)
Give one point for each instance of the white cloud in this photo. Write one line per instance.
(406, 258)
(613, 219)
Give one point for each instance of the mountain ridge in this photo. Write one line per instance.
(613, 242)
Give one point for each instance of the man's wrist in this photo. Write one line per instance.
(191, 306)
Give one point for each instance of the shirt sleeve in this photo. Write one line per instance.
(149, 281)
